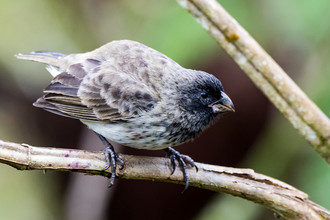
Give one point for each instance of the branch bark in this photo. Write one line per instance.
(271, 193)
(268, 76)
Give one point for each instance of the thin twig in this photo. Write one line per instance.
(271, 193)
(268, 76)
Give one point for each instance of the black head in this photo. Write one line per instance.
(204, 97)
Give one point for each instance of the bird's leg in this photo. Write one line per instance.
(183, 160)
(112, 158)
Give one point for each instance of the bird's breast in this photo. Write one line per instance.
(136, 134)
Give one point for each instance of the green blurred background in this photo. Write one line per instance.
(296, 33)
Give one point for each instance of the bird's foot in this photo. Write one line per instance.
(112, 159)
(183, 161)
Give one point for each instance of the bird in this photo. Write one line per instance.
(133, 95)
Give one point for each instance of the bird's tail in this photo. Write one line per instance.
(50, 58)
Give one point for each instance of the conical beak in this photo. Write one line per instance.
(223, 105)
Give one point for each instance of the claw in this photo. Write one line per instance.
(172, 158)
(189, 161)
(111, 158)
(183, 160)
(118, 159)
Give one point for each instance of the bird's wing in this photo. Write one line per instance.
(93, 90)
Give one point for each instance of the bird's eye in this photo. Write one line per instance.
(204, 95)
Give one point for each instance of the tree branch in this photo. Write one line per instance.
(268, 76)
(271, 193)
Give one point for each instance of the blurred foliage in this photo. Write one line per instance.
(294, 32)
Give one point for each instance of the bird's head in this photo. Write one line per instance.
(204, 95)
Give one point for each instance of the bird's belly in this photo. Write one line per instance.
(148, 137)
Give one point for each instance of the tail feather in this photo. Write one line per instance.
(49, 53)
(50, 58)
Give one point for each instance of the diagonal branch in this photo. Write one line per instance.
(271, 193)
(268, 76)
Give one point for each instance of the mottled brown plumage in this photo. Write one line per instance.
(133, 95)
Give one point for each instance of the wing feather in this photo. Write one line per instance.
(94, 90)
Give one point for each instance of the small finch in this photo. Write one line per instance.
(133, 95)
